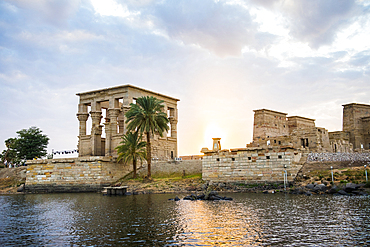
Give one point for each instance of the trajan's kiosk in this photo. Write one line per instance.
(101, 116)
(114, 102)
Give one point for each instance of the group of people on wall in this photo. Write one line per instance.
(12, 165)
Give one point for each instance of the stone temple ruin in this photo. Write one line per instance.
(96, 167)
(273, 128)
(282, 142)
(114, 103)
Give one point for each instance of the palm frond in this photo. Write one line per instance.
(147, 116)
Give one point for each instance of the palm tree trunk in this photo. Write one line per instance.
(149, 154)
(134, 165)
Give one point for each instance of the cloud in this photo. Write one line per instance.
(361, 59)
(217, 26)
(54, 12)
(315, 22)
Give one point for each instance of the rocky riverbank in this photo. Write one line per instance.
(197, 187)
(311, 181)
(11, 179)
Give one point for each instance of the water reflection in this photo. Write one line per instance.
(216, 223)
(36, 220)
(152, 220)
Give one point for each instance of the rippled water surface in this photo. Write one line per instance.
(152, 220)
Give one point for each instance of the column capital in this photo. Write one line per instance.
(172, 120)
(113, 112)
(82, 116)
(125, 108)
(95, 114)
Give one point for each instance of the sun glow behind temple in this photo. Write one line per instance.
(213, 131)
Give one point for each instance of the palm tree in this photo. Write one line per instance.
(132, 148)
(147, 117)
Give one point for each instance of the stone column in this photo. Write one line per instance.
(122, 124)
(113, 115)
(82, 117)
(108, 137)
(96, 131)
(173, 123)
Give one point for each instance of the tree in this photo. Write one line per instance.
(10, 154)
(147, 117)
(132, 149)
(30, 143)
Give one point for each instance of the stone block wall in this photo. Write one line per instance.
(352, 123)
(84, 174)
(268, 124)
(252, 166)
(162, 168)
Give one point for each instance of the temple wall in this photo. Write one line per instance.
(268, 124)
(352, 123)
(162, 168)
(251, 166)
(297, 122)
(88, 174)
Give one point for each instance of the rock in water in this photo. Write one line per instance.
(20, 188)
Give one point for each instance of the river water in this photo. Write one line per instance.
(152, 220)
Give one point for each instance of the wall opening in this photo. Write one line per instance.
(104, 114)
(304, 142)
(169, 130)
(88, 122)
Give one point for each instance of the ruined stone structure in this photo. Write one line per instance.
(114, 103)
(356, 122)
(281, 142)
(339, 141)
(272, 128)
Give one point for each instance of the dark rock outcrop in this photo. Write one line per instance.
(208, 196)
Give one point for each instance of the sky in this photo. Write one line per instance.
(221, 58)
